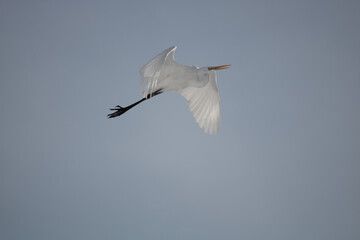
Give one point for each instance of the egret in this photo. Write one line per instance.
(197, 85)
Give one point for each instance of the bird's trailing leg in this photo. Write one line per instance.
(120, 110)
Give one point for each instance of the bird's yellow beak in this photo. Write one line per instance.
(219, 67)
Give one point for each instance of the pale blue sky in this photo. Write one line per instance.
(284, 165)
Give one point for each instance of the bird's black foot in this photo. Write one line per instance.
(118, 111)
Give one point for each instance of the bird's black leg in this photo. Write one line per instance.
(120, 110)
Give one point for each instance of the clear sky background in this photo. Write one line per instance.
(284, 165)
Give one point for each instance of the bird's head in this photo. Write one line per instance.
(203, 75)
(219, 67)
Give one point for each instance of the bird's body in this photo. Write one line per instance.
(163, 72)
(197, 85)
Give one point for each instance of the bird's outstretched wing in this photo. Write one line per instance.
(204, 103)
(151, 71)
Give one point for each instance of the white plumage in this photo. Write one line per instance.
(204, 104)
(197, 85)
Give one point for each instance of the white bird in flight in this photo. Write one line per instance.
(197, 85)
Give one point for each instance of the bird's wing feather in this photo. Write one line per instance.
(150, 72)
(204, 103)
